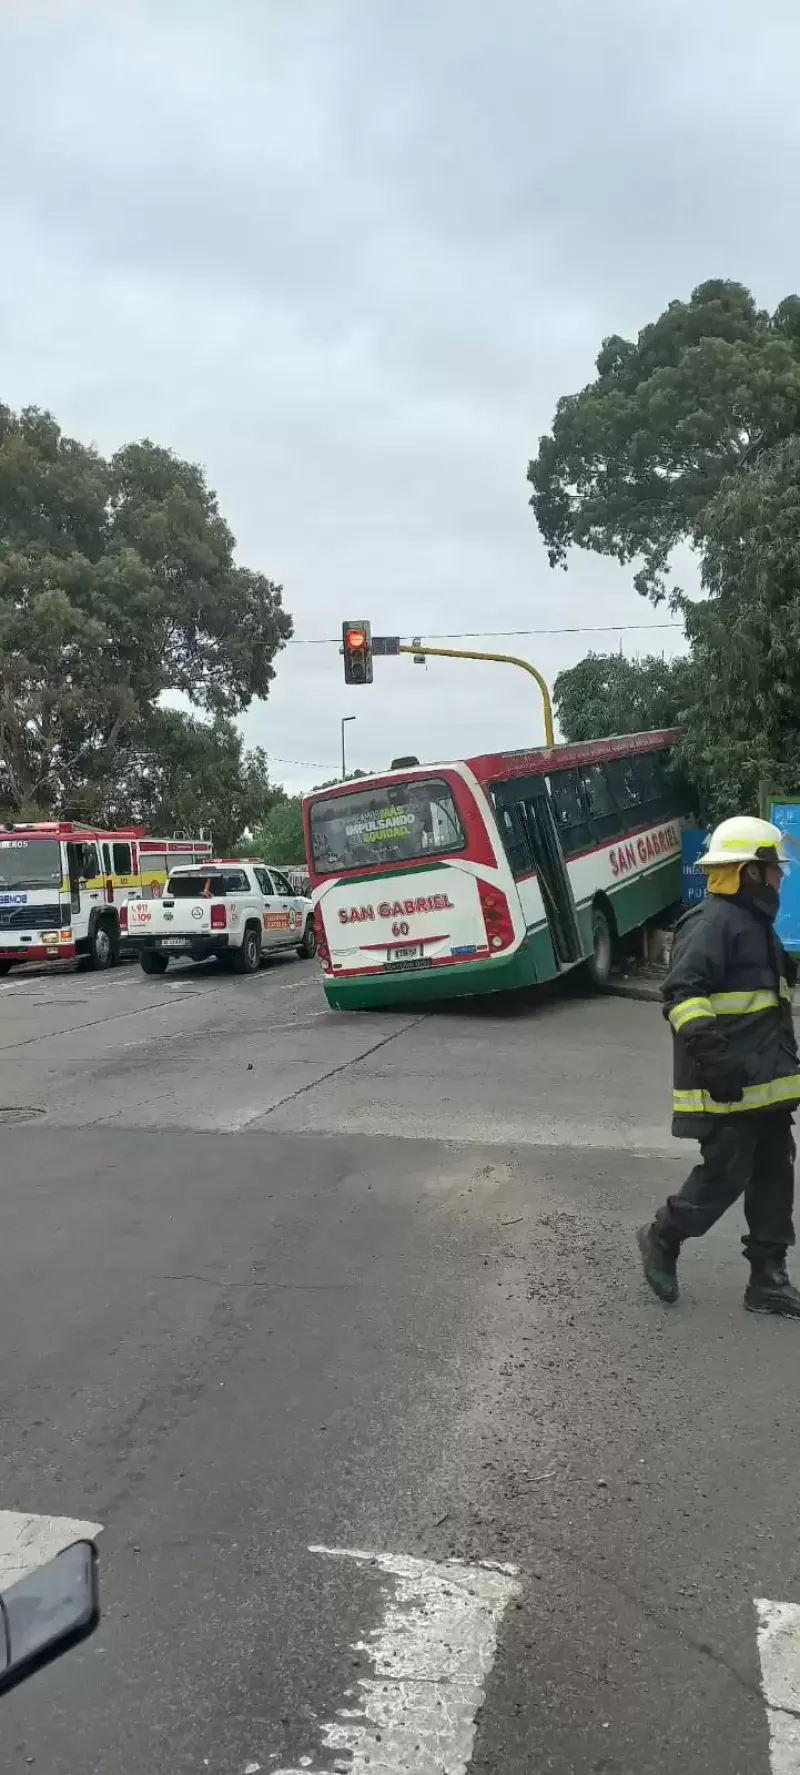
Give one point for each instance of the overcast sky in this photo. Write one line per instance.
(348, 254)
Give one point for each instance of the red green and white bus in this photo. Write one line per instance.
(494, 872)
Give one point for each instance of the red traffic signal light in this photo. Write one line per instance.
(357, 650)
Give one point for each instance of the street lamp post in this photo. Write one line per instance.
(345, 719)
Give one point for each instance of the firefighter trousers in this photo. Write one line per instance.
(750, 1155)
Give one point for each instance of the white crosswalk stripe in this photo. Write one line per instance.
(431, 1654)
(779, 1651)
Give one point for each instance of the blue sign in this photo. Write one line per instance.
(693, 880)
(786, 815)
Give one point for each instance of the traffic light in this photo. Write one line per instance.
(357, 650)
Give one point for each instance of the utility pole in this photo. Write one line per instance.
(345, 719)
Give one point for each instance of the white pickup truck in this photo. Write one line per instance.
(241, 912)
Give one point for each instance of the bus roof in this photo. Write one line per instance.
(492, 767)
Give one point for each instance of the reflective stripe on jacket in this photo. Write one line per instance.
(729, 988)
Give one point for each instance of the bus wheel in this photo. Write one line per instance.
(152, 961)
(598, 966)
(308, 948)
(5, 967)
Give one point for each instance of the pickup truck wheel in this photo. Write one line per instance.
(247, 958)
(308, 948)
(151, 961)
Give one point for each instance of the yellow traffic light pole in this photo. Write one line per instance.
(498, 659)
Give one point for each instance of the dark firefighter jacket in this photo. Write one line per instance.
(728, 998)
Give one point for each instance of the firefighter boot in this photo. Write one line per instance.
(770, 1291)
(660, 1263)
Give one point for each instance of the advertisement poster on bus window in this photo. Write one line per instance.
(786, 815)
(373, 825)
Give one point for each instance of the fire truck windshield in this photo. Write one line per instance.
(29, 863)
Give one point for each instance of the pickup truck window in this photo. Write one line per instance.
(208, 885)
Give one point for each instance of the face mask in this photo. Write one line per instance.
(769, 900)
(759, 893)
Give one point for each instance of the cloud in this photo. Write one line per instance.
(348, 254)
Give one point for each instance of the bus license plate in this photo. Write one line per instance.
(175, 942)
(411, 952)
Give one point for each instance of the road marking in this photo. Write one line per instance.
(28, 1541)
(431, 1655)
(779, 1651)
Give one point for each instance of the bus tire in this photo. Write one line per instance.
(103, 945)
(5, 967)
(600, 962)
(308, 948)
(151, 961)
(247, 958)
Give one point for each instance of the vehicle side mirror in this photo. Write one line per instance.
(50, 1609)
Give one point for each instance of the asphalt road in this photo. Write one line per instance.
(275, 1279)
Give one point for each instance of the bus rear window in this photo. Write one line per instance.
(398, 823)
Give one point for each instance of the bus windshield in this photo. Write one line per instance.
(396, 823)
(29, 863)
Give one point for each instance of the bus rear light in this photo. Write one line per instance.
(322, 942)
(496, 916)
(219, 917)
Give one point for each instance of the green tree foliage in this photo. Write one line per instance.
(634, 459)
(117, 586)
(742, 726)
(183, 776)
(607, 694)
(279, 838)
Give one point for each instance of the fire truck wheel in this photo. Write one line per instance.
(104, 945)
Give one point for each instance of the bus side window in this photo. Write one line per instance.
(514, 839)
(606, 820)
(570, 812)
(649, 779)
(660, 795)
(122, 859)
(624, 782)
(106, 860)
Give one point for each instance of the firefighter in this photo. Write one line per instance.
(728, 999)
